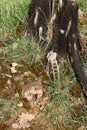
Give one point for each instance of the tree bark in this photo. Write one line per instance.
(64, 34)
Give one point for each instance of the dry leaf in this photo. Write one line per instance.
(14, 64)
(32, 90)
(18, 77)
(13, 70)
(8, 75)
(15, 45)
(9, 82)
(81, 128)
(80, 13)
(23, 121)
(20, 104)
(16, 95)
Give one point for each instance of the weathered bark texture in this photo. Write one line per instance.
(73, 51)
(38, 15)
(56, 23)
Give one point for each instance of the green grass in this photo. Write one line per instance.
(21, 50)
(63, 109)
(13, 19)
(12, 14)
(7, 108)
(82, 4)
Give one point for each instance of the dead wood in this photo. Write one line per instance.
(73, 52)
(55, 22)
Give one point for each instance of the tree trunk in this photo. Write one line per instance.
(61, 33)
